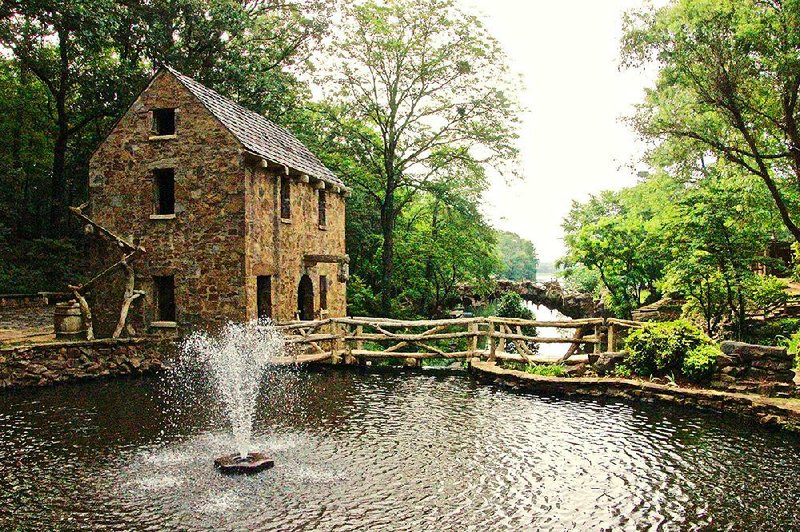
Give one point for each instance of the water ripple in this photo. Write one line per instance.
(393, 452)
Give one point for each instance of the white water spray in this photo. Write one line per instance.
(235, 359)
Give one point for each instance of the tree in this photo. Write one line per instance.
(65, 45)
(430, 85)
(619, 235)
(728, 86)
(518, 256)
(717, 239)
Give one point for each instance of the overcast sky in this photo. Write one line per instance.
(572, 140)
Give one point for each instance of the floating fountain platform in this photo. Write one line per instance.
(234, 464)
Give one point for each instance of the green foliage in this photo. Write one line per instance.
(623, 371)
(546, 370)
(766, 294)
(659, 349)
(771, 332)
(583, 279)
(511, 305)
(618, 235)
(518, 256)
(726, 93)
(38, 265)
(419, 88)
(698, 364)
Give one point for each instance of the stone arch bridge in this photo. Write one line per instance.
(549, 294)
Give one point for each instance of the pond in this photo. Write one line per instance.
(386, 451)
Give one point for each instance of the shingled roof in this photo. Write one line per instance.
(258, 134)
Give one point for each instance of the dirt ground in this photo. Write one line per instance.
(32, 324)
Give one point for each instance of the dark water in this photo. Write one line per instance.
(377, 451)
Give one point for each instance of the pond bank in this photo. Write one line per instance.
(778, 413)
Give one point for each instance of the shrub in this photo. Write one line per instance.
(698, 365)
(510, 305)
(621, 370)
(659, 348)
(546, 370)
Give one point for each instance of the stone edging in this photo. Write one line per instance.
(783, 414)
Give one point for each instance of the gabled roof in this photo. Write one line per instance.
(258, 134)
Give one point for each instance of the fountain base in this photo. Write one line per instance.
(233, 464)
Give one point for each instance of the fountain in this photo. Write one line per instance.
(235, 361)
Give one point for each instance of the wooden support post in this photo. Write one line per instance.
(337, 346)
(501, 344)
(473, 340)
(597, 338)
(492, 345)
(612, 339)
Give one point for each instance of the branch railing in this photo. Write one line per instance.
(357, 339)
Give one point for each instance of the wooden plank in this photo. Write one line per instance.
(396, 354)
(548, 340)
(386, 322)
(391, 337)
(571, 324)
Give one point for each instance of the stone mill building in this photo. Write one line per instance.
(236, 217)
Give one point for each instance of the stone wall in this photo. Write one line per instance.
(202, 245)
(49, 363)
(226, 229)
(755, 368)
(775, 413)
(276, 246)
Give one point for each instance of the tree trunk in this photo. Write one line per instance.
(388, 220)
(58, 181)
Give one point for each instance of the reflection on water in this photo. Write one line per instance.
(387, 451)
(543, 313)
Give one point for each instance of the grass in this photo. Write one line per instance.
(545, 370)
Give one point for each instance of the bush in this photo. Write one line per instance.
(698, 365)
(659, 348)
(621, 370)
(510, 305)
(546, 370)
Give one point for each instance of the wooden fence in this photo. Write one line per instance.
(355, 340)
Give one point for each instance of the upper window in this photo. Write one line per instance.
(164, 190)
(164, 121)
(286, 198)
(321, 206)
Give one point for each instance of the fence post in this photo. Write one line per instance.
(598, 338)
(612, 339)
(337, 345)
(473, 340)
(492, 346)
(501, 342)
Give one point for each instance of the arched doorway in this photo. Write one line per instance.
(305, 298)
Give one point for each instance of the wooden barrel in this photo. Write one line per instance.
(67, 321)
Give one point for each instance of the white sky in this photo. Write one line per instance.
(572, 140)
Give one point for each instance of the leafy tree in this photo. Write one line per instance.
(727, 86)
(428, 82)
(619, 235)
(518, 256)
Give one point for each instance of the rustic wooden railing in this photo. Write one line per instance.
(358, 339)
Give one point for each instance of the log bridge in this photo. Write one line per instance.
(359, 339)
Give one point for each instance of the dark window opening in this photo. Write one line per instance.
(286, 198)
(323, 292)
(323, 220)
(165, 297)
(164, 180)
(164, 121)
(264, 296)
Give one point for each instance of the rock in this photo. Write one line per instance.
(606, 362)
